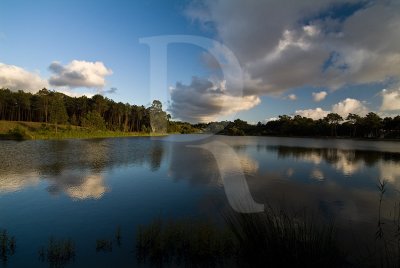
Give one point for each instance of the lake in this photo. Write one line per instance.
(85, 189)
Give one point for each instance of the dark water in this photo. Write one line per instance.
(84, 189)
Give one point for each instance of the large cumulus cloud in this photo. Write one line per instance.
(79, 74)
(288, 44)
(315, 114)
(17, 78)
(349, 105)
(390, 100)
(343, 108)
(204, 101)
(82, 74)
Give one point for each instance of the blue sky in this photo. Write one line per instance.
(269, 40)
(36, 33)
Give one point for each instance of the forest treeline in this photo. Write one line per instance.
(97, 112)
(101, 113)
(334, 125)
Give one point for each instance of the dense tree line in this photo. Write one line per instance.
(101, 113)
(355, 126)
(97, 112)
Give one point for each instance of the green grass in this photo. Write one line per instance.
(14, 130)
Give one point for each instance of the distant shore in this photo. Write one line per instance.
(319, 137)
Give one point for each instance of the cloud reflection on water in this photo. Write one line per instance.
(77, 167)
(12, 182)
(78, 186)
(73, 167)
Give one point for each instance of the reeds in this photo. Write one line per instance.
(386, 251)
(118, 237)
(7, 246)
(104, 245)
(58, 253)
(271, 238)
(184, 242)
(278, 238)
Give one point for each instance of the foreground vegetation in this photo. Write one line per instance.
(269, 239)
(184, 242)
(273, 238)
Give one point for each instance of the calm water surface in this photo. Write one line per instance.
(84, 189)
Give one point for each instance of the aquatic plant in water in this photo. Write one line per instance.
(184, 242)
(58, 252)
(103, 245)
(272, 238)
(7, 246)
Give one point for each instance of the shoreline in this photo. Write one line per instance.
(111, 134)
(20, 131)
(64, 136)
(314, 137)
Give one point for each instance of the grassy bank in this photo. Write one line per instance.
(13, 130)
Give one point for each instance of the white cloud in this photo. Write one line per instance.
(315, 114)
(319, 96)
(390, 100)
(79, 74)
(16, 78)
(88, 94)
(311, 30)
(292, 97)
(349, 105)
(342, 108)
(75, 94)
(270, 119)
(287, 44)
(205, 101)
